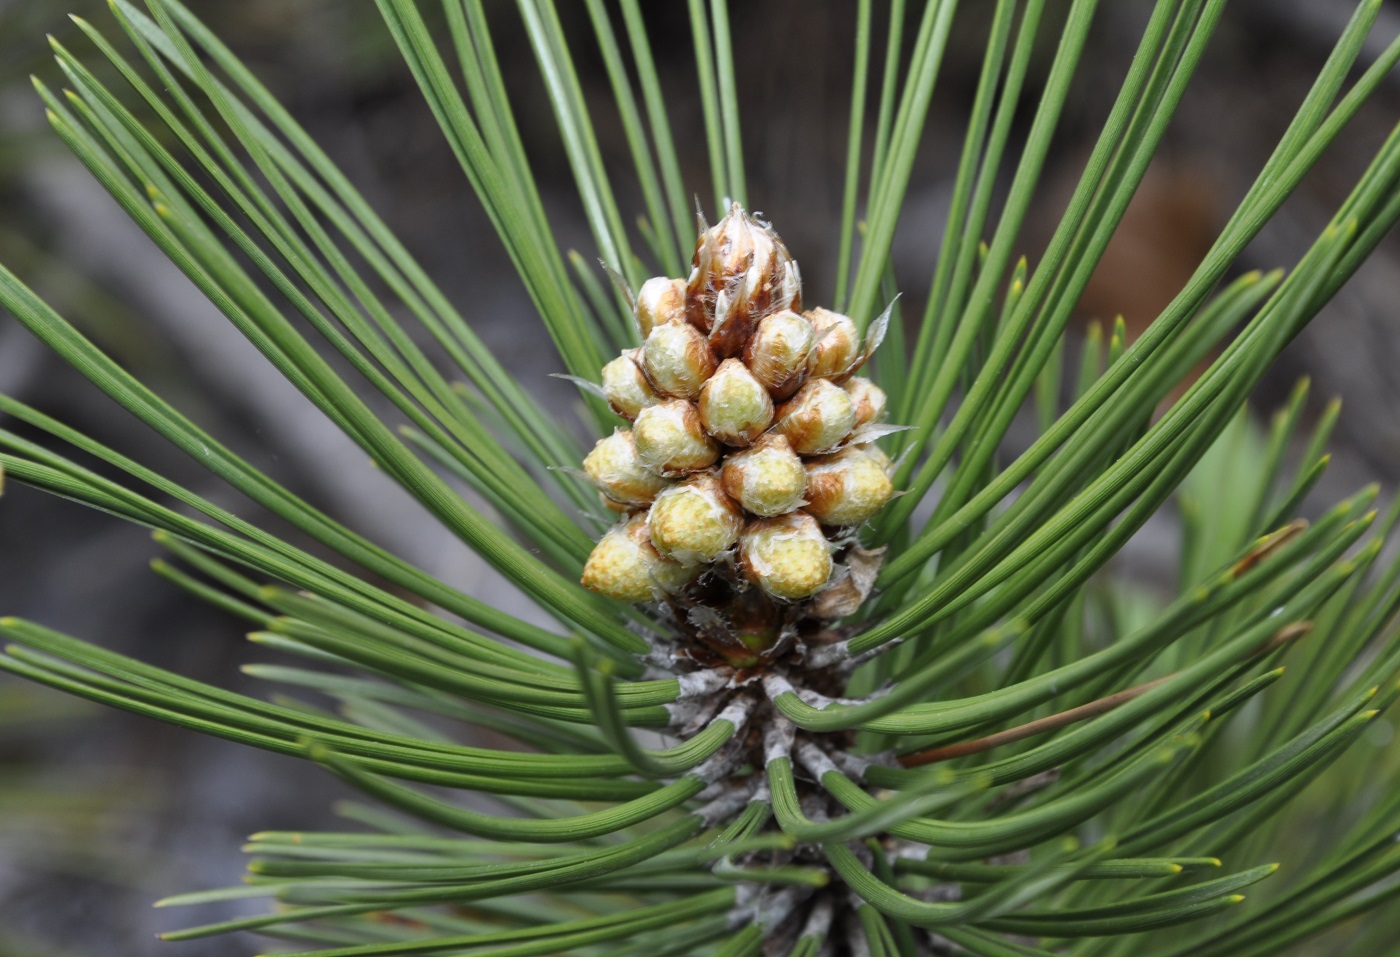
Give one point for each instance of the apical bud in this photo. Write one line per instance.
(625, 565)
(659, 301)
(734, 406)
(788, 556)
(626, 386)
(677, 359)
(777, 353)
(767, 478)
(838, 346)
(817, 419)
(672, 441)
(868, 398)
(742, 271)
(617, 470)
(847, 488)
(694, 522)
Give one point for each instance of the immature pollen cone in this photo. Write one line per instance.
(745, 463)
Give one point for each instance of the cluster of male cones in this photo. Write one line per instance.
(750, 460)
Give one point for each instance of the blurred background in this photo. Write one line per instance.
(101, 813)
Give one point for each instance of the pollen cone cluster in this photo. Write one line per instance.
(750, 453)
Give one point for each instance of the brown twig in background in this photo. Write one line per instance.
(1092, 709)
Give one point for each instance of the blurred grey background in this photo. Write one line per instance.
(100, 812)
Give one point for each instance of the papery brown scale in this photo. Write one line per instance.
(850, 585)
(738, 238)
(721, 315)
(732, 327)
(823, 488)
(699, 293)
(760, 282)
(790, 290)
